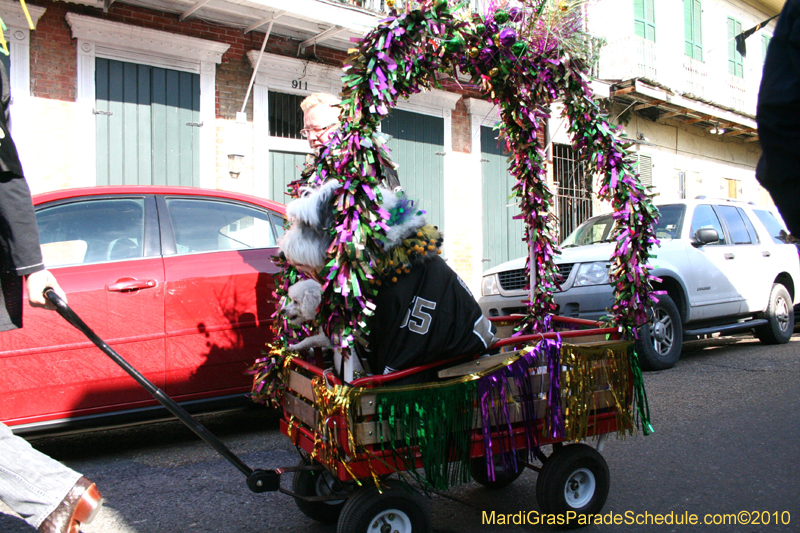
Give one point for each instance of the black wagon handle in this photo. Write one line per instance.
(257, 480)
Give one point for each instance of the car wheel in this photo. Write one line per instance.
(573, 479)
(319, 483)
(780, 315)
(659, 343)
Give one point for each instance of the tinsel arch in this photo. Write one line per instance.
(522, 60)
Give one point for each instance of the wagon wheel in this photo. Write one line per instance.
(574, 478)
(477, 469)
(397, 510)
(319, 483)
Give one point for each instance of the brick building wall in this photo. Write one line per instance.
(462, 129)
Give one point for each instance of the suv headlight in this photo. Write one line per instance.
(489, 286)
(592, 274)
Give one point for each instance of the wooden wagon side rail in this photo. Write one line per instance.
(300, 398)
(383, 462)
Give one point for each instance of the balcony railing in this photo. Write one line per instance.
(379, 6)
(634, 57)
(694, 78)
(629, 57)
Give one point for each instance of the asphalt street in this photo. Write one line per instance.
(727, 440)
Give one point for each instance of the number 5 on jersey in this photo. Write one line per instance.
(421, 321)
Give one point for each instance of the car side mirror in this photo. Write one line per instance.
(706, 236)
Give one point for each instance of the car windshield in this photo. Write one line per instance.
(600, 229)
(593, 231)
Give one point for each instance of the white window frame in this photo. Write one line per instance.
(123, 42)
(481, 113)
(277, 73)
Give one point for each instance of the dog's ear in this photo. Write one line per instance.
(313, 203)
(309, 236)
(310, 302)
(325, 209)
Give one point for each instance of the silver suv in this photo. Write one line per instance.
(725, 267)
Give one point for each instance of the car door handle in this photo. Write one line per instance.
(131, 285)
(766, 253)
(729, 256)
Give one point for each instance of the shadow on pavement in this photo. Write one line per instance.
(14, 524)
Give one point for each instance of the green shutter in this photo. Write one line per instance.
(698, 30)
(150, 136)
(688, 29)
(692, 29)
(502, 235)
(416, 146)
(284, 167)
(644, 19)
(735, 62)
(158, 110)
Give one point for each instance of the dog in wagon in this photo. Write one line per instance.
(424, 311)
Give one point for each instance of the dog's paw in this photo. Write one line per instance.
(317, 341)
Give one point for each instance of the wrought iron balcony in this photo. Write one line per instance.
(633, 57)
(379, 6)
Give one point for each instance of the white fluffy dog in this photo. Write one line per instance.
(305, 297)
(306, 242)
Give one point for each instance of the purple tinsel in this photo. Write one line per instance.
(493, 389)
(554, 417)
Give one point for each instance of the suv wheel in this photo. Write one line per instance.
(780, 315)
(659, 342)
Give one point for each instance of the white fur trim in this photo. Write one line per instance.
(410, 225)
(306, 208)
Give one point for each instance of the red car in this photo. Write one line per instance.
(178, 280)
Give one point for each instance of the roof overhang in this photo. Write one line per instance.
(769, 7)
(328, 23)
(659, 104)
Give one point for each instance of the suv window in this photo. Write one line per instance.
(750, 228)
(774, 227)
(704, 217)
(733, 221)
(670, 221)
(211, 226)
(91, 231)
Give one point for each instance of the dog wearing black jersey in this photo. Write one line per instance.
(424, 312)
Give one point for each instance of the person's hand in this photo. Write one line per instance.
(36, 283)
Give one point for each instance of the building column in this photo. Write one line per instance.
(85, 118)
(261, 170)
(208, 131)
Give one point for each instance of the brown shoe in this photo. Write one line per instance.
(80, 505)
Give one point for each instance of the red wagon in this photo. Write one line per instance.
(350, 451)
(573, 383)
